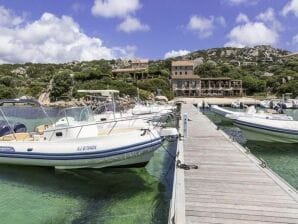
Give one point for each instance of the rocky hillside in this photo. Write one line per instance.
(262, 53)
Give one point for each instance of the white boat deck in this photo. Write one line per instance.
(229, 185)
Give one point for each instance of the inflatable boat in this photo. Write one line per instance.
(75, 142)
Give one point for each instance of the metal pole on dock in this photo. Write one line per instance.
(185, 125)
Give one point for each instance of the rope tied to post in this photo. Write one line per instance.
(185, 166)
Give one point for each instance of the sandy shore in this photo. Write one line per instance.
(219, 101)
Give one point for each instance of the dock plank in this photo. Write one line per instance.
(229, 186)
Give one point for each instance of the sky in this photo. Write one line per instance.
(58, 31)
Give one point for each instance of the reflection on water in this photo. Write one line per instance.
(282, 158)
(44, 195)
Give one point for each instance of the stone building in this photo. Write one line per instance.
(185, 83)
(137, 69)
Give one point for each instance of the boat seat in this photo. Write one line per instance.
(41, 128)
(17, 137)
(19, 128)
(5, 130)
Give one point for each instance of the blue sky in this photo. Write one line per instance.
(61, 31)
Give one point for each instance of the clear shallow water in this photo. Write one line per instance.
(44, 195)
(281, 158)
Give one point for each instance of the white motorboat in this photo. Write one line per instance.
(220, 110)
(236, 104)
(267, 130)
(287, 104)
(265, 104)
(250, 112)
(76, 141)
(137, 115)
(269, 103)
(140, 109)
(295, 104)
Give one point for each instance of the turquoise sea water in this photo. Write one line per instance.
(45, 195)
(281, 158)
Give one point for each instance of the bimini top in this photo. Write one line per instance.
(16, 101)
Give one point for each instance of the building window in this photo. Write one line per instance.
(180, 73)
(175, 73)
(185, 73)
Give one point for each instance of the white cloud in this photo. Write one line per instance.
(295, 39)
(204, 26)
(52, 39)
(221, 20)
(201, 25)
(242, 18)
(8, 18)
(174, 53)
(291, 7)
(241, 2)
(251, 34)
(269, 18)
(115, 8)
(131, 24)
(122, 9)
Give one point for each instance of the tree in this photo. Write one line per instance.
(61, 85)
(289, 87)
(208, 70)
(253, 85)
(7, 92)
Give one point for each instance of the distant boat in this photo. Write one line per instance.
(266, 130)
(265, 104)
(236, 104)
(250, 112)
(269, 103)
(295, 104)
(220, 110)
(286, 104)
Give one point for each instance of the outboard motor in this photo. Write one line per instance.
(19, 128)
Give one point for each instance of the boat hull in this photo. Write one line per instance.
(87, 153)
(258, 133)
(221, 111)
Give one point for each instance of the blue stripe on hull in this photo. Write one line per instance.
(278, 130)
(78, 156)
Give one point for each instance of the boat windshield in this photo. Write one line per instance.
(18, 116)
(74, 116)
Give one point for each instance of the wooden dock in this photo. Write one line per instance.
(229, 185)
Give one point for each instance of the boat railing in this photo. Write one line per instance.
(109, 130)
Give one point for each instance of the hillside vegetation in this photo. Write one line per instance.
(263, 69)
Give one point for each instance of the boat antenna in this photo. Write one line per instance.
(114, 106)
